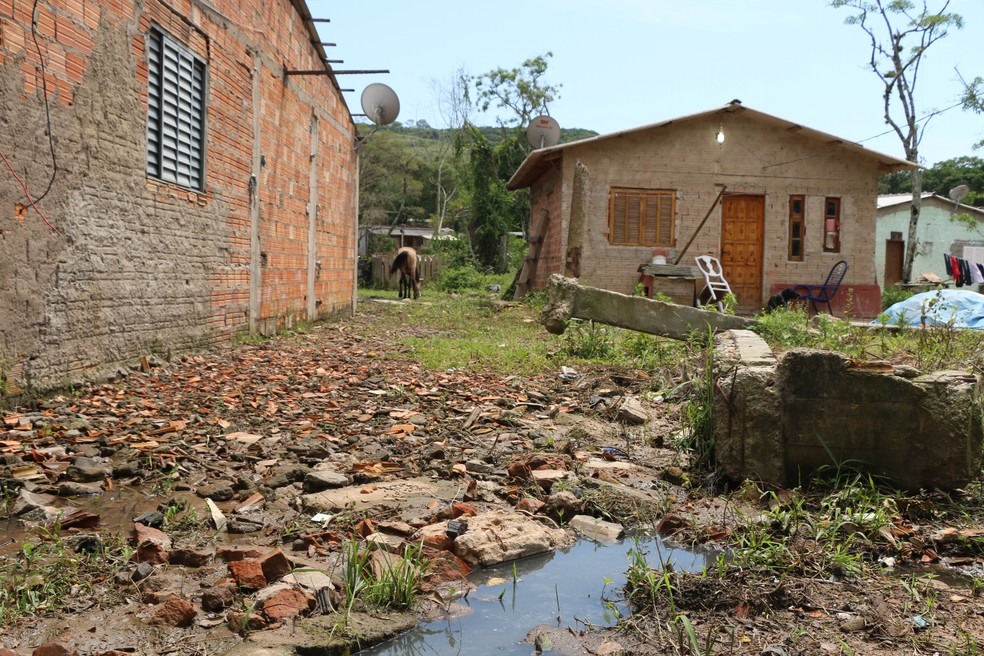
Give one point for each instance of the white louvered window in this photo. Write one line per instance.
(175, 112)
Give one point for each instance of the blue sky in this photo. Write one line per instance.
(627, 63)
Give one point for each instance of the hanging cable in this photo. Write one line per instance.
(47, 110)
(27, 193)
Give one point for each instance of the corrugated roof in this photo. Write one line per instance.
(895, 200)
(537, 161)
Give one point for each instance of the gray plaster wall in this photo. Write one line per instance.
(780, 420)
(125, 274)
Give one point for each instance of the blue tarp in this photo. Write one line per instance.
(964, 308)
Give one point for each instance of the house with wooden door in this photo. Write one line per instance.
(937, 235)
(777, 202)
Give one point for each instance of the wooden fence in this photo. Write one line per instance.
(429, 265)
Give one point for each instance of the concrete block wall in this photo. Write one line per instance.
(139, 265)
(758, 157)
(782, 420)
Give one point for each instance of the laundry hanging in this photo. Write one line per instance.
(963, 271)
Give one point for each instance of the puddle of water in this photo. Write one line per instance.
(116, 509)
(498, 617)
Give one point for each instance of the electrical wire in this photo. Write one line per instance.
(27, 193)
(47, 110)
(918, 120)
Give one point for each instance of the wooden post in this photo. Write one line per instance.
(703, 221)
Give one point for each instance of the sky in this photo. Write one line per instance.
(622, 64)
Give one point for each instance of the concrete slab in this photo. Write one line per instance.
(407, 494)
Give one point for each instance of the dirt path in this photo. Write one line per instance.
(240, 450)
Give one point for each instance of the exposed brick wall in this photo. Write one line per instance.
(757, 158)
(139, 265)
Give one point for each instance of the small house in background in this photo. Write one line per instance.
(937, 235)
(778, 203)
(415, 237)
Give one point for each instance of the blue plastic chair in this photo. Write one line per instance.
(824, 293)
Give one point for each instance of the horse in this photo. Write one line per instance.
(406, 264)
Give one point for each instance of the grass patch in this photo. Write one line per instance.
(933, 348)
(52, 574)
(376, 580)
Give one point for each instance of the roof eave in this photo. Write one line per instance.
(529, 171)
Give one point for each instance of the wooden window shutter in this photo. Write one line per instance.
(641, 217)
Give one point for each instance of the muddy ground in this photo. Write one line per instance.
(240, 449)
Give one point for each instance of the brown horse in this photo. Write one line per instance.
(406, 264)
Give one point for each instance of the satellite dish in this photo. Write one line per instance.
(380, 104)
(543, 132)
(957, 194)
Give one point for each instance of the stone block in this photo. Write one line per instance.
(597, 529)
(782, 421)
(500, 536)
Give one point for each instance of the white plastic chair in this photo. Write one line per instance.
(714, 282)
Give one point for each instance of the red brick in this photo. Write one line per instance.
(174, 612)
(248, 574)
(55, 649)
(287, 603)
(275, 565)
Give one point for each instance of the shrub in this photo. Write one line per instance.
(894, 294)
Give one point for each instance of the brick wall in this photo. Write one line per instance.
(143, 266)
(757, 157)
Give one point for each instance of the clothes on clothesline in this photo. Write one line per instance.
(962, 271)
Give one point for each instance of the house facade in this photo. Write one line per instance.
(777, 203)
(936, 235)
(174, 172)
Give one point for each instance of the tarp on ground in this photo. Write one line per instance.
(964, 308)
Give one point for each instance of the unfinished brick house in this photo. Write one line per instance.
(202, 181)
(776, 202)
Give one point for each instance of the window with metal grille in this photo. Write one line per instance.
(641, 217)
(175, 111)
(797, 228)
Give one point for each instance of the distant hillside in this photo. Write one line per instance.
(418, 134)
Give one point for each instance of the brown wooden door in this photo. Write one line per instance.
(894, 254)
(742, 232)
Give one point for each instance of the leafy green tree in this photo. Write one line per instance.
(389, 181)
(900, 32)
(973, 98)
(941, 178)
(521, 91)
(492, 206)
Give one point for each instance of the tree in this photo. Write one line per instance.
(523, 93)
(973, 98)
(941, 178)
(900, 33)
(520, 90)
(455, 109)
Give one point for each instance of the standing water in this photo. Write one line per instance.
(576, 587)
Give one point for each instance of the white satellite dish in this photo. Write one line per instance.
(380, 104)
(957, 194)
(543, 132)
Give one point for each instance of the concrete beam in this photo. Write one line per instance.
(568, 299)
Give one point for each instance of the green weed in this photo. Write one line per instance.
(50, 574)
(381, 582)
